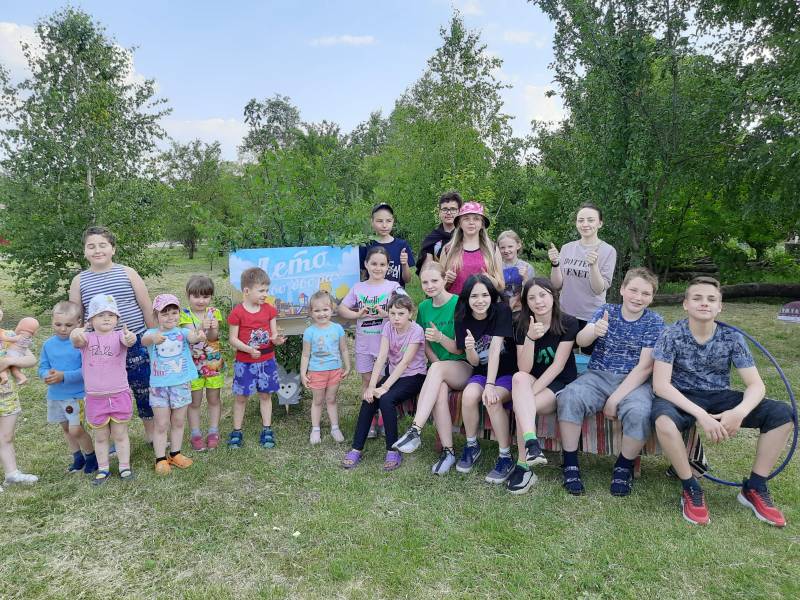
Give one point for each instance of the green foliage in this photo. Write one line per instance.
(77, 132)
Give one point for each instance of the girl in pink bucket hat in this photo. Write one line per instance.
(471, 251)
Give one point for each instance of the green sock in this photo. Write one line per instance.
(523, 465)
(530, 435)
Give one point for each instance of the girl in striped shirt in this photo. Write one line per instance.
(104, 276)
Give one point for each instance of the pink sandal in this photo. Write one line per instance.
(351, 459)
(393, 460)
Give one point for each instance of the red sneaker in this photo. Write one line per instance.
(198, 445)
(761, 503)
(212, 440)
(693, 503)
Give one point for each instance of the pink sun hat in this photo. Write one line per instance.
(162, 301)
(472, 208)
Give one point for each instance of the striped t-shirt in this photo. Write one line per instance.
(116, 283)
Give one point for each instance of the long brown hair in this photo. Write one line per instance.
(525, 315)
(453, 255)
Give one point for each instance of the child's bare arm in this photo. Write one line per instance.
(142, 296)
(345, 355)
(78, 337)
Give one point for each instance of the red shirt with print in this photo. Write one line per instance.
(254, 330)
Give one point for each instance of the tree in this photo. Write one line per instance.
(273, 123)
(192, 174)
(79, 129)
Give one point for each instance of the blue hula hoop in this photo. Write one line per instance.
(793, 447)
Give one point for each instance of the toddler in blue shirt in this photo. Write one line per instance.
(60, 368)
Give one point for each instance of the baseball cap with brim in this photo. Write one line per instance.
(162, 301)
(382, 206)
(102, 303)
(472, 208)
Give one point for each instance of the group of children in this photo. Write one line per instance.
(488, 327)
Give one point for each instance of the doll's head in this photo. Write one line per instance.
(28, 326)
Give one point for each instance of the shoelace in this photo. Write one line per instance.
(765, 497)
(696, 496)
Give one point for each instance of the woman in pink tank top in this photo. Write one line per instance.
(471, 251)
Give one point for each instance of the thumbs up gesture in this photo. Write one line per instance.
(469, 341)
(403, 257)
(158, 337)
(200, 335)
(591, 257)
(535, 330)
(128, 336)
(553, 255)
(523, 271)
(601, 326)
(432, 333)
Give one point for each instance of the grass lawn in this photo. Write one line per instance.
(289, 522)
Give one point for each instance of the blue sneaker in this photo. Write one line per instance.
(235, 439)
(267, 439)
(502, 470)
(469, 457)
(90, 466)
(78, 463)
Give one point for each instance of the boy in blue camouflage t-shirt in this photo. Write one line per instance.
(691, 379)
(616, 381)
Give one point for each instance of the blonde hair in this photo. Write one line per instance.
(641, 273)
(510, 233)
(453, 255)
(433, 266)
(320, 295)
(67, 308)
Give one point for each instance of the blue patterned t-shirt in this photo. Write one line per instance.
(702, 366)
(619, 350)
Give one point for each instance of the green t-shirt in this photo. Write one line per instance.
(443, 318)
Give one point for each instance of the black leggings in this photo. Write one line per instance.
(402, 389)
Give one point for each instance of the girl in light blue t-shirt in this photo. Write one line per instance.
(324, 363)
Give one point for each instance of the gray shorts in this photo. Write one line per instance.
(587, 395)
(70, 411)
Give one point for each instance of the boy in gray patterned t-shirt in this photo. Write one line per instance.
(691, 379)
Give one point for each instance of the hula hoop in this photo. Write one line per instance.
(792, 448)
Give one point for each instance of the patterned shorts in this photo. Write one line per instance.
(249, 378)
(137, 363)
(9, 400)
(171, 396)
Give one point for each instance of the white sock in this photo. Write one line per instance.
(505, 451)
(472, 441)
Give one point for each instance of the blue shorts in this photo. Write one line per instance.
(69, 411)
(249, 378)
(137, 363)
(171, 396)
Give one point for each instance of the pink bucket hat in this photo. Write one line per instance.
(162, 301)
(472, 208)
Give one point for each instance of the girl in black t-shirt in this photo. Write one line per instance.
(485, 332)
(544, 337)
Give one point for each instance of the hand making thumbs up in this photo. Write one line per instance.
(432, 333)
(553, 255)
(128, 336)
(601, 326)
(469, 341)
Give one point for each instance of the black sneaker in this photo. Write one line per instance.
(621, 482)
(572, 481)
(520, 481)
(534, 454)
(408, 442)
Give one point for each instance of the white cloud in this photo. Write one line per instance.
(541, 107)
(344, 40)
(470, 7)
(228, 132)
(525, 38)
(11, 37)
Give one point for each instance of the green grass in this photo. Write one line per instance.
(226, 527)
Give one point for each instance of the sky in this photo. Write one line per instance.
(336, 60)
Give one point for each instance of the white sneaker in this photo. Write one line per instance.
(337, 435)
(20, 477)
(446, 461)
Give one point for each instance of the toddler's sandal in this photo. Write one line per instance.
(101, 477)
(351, 459)
(393, 460)
(127, 475)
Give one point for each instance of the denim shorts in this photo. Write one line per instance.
(261, 377)
(171, 396)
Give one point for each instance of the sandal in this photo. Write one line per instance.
(126, 475)
(393, 460)
(351, 459)
(101, 477)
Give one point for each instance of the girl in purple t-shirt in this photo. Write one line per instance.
(402, 345)
(471, 251)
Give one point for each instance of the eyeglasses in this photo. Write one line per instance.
(448, 210)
